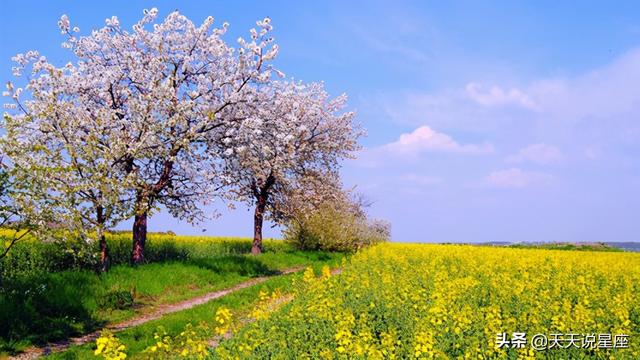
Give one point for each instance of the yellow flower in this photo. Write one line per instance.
(326, 271)
(442, 301)
(223, 320)
(109, 347)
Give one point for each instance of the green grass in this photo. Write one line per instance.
(138, 338)
(31, 256)
(41, 304)
(171, 282)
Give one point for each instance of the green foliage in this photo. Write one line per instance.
(45, 307)
(31, 257)
(568, 246)
(335, 226)
(116, 299)
(190, 343)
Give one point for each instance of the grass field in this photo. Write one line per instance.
(398, 301)
(47, 294)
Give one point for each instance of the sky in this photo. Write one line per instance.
(487, 120)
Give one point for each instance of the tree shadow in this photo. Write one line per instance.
(317, 255)
(241, 265)
(46, 307)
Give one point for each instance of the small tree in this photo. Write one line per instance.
(337, 224)
(293, 136)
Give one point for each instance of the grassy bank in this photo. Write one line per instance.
(50, 290)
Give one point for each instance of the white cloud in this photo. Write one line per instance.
(446, 110)
(516, 178)
(608, 93)
(587, 116)
(537, 153)
(425, 139)
(605, 100)
(496, 96)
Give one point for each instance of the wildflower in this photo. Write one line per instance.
(109, 347)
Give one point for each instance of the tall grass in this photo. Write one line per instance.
(31, 256)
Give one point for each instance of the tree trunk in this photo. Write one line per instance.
(105, 261)
(258, 219)
(139, 238)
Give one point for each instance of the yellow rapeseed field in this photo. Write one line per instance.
(401, 301)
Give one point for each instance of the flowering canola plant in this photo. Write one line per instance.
(401, 301)
(109, 347)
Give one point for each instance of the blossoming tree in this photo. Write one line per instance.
(61, 150)
(288, 150)
(157, 92)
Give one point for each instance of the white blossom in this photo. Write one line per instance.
(288, 150)
(131, 114)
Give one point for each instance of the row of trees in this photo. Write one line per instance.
(166, 115)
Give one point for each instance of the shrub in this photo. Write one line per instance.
(32, 257)
(337, 225)
(117, 299)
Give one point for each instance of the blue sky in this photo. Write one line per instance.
(487, 120)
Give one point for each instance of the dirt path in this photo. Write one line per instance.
(157, 313)
(215, 341)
